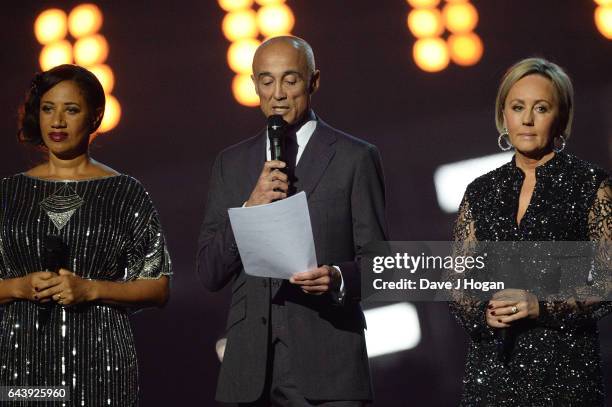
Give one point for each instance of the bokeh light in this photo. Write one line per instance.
(105, 75)
(269, 2)
(84, 19)
(425, 22)
(91, 50)
(244, 90)
(112, 114)
(55, 54)
(431, 54)
(240, 55)
(460, 17)
(604, 2)
(423, 3)
(234, 5)
(465, 49)
(51, 26)
(275, 20)
(603, 20)
(239, 25)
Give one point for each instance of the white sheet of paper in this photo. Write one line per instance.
(275, 240)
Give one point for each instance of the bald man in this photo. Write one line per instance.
(297, 342)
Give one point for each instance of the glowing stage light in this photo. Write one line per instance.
(423, 3)
(239, 25)
(604, 2)
(452, 179)
(51, 26)
(240, 55)
(234, 5)
(431, 54)
(91, 50)
(460, 17)
(465, 49)
(112, 114)
(84, 19)
(425, 22)
(275, 20)
(55, 54)
(269, 2)
(392, 328)
(603, 20)
(105, 75)
(244, 91)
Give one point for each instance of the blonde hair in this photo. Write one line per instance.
(553, 72)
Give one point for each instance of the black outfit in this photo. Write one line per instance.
(272, 325)
(555, 359)
(113, 233)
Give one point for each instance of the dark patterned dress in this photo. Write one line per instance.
(555, 360)
(113, 233)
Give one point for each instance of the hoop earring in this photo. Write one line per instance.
(504, 137)
(562, 147)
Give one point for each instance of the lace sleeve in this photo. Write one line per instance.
(577, 313)
(469, 312)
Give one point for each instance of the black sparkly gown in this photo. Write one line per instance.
(113, 233)
(555, 359)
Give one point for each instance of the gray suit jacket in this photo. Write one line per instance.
(343, 179)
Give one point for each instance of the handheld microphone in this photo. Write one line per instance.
(55, 254)
(277, 127)
(54, 257)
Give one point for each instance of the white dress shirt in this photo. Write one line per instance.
(302, 135)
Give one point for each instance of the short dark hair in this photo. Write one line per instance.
(29, 125)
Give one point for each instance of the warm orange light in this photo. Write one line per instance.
(55, 54)
(105, 75)
(50, 26)
(244, 91)
(465, 49)
(425, 22)
(460, 17)
(240, 55)
(268, 2)
(234, 5)
(91, 50)
(275, 20)
(604, 2)
(112, 114)
(603, 20)
(84, 19)
(423, 3)
(239, 25)
(431, 54)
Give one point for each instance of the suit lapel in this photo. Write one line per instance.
(316, 157)
(255, 159)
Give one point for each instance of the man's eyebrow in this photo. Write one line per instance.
(259, 75)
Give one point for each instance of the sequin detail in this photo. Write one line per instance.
(555, 360)
(61, 205)
(114, 234)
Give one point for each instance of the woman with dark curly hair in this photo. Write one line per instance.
(525, 350)
(80, 246)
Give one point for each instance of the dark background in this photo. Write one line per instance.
(173, 83)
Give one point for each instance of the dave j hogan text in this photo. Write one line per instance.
(425, 284)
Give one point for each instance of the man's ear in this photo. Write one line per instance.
(315, 78)
(255, 84)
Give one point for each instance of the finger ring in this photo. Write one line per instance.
(514, 309)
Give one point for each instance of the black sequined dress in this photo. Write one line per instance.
(555, 360)
(113, 233)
